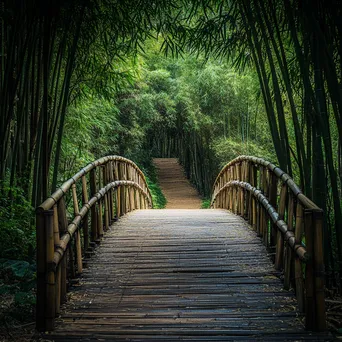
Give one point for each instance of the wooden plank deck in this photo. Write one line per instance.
(180, 275)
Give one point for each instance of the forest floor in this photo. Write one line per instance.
(179, 193)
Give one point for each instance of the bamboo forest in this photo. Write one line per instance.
(170, 170)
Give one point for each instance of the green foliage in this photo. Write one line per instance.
(159, 200)
(17, 290)
(205, 203)
(16, 229)
(228, 149)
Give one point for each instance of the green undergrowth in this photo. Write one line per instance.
(17, 293)
(205, 203)
(17, 258)
(159, 200)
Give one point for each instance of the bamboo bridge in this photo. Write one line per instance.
(111, 268)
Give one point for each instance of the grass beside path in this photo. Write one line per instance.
(159, 200)
(205, 203)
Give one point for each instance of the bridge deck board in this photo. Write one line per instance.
(190, 275)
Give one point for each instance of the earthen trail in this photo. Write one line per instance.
(176, 187)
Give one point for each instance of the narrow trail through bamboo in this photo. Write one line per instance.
(176, 187)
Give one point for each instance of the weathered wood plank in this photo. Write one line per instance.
(189, 275)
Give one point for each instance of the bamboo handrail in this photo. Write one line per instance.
(60, 252)
(49, 202)
(284, 218)
(279, 173)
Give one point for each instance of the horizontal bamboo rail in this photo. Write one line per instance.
(289, 223)
(100, 193)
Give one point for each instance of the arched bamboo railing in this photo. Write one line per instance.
(98, 195)
(287, 221)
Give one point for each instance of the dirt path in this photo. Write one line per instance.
(176, 187)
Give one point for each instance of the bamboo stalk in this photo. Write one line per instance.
(310, 314)
(74, 198)
(85, 226)
(94, 219)
(50, 273)
(320, 323)
(58, 290)
(41, 272)
(100, 220)
(55, 225)
(288, 252)
(279, 260)
(63, 227)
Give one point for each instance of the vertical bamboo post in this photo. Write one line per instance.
(77, 233)
(63, 227)
(100, 219)
(265, 226)
(319, 273)
(94, 219)
(298, 264)
(310, 314)
(50, 279)
(41, 271)
(122, 190)
(58, 270)
(273, 201)
(85, 224)
(118, 202)
(238, 177)
(58, 290)
(111, 196)
(279, 260)
(106, 201)
(288, 251)
(247, 193)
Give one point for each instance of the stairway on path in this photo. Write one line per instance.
(178, 191)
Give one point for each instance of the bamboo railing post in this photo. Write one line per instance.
(298, 264)
(273, 201)
(319, 273)
(94, 219)
(248, 204)
(118, 202)
(85, 224)
(63, 227)
(58, 290)
(122, 190)
(111, 196)
(46, 292)
(41, 271)
(50, 276)
(238, 199)
(106, 201)
(77, 233)
(58, 270)
(100, 219)
(288, 251)
(279, 260)
(310, 315)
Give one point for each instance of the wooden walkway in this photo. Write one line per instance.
(189, 275)
(175, 186)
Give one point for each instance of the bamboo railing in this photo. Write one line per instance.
(99, 194)
(289, 224)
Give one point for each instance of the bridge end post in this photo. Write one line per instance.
(319, 270)
(46, 302)
(315, 316)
